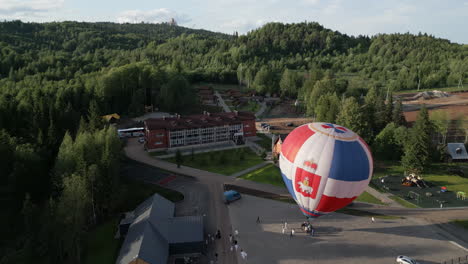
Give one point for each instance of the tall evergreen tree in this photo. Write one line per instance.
(398, 117)
(388, 115)
(419, 145)
(351, 116)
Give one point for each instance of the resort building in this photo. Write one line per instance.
(170, 132)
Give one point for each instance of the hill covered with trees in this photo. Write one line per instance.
(57, 79)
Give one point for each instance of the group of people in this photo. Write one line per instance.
(308, 228)
(232, 240)
(235, 245)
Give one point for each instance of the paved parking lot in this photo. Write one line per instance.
(339, 238)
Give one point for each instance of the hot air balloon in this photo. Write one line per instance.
(325, 167)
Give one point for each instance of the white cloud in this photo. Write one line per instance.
(11, 7)
(152, 16)
(311, 2)
(332, 8)
(241, 25)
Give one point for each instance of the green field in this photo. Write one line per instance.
(249, 107)
(403, 202)
(225, 162)
(269, 174)
(368, 198)
(264, 142)
(461, 223)
(102, 247)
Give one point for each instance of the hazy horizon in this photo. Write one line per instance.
(361, 17)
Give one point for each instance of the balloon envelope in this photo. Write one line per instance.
(325, 167)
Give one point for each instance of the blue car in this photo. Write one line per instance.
(231, 196)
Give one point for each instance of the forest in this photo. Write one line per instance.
(60, 162)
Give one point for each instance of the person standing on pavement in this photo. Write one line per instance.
(258, 219)
(291, 234)
(243, 254)
(283, 229)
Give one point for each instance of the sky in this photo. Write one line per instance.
(445, 19)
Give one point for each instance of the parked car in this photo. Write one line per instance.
(405, 260)
(231, 196)
(141, 140)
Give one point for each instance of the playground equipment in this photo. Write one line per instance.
(461, 195)
(414, 196)
(414, 180)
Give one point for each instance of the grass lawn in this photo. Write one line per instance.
(134, 192)
(264, 142)
(225, 162)
(368, 198)
(403, 202)
(268, 174)
(271, 174)
(461, 223)
(249, 106)
(101, 245)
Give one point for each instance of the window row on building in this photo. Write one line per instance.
(202, 135)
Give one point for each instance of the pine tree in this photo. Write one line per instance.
(72, 215)
(94, 118)
(389, 109)
(351, 116)
(418, 148)
(398, 117)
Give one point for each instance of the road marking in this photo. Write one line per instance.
(458, 245)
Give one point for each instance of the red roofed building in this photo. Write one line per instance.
(169, 132)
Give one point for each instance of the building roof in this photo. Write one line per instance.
(154, 228)
(280, 136)
(198, 121)
(185, 229)
(457, 151)
(109, 117)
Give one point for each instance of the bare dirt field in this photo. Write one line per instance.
(280, 125)
(284, 109)
(456, 105)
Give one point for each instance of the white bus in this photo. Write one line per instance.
(131, 132)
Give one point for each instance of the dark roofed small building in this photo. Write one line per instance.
(154, 233)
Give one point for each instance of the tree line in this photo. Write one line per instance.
(57, 80)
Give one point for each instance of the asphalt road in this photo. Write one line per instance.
(200, 198)
(218, 215)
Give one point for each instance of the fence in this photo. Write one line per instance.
(459, 260)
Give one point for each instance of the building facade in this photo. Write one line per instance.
(170, 132)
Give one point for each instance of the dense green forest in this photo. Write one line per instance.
(57, 79)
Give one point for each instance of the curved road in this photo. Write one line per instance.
(428, 216)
